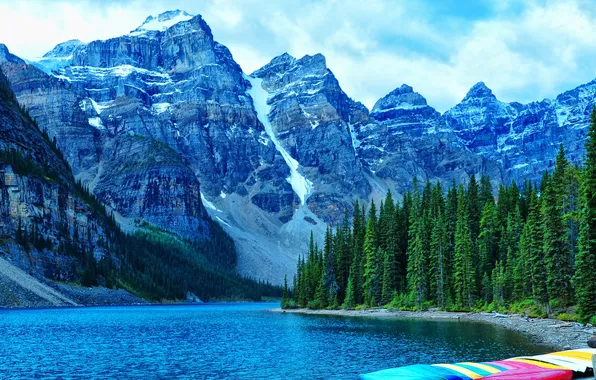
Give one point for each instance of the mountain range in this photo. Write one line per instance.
(166, 130)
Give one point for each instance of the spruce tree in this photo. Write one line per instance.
(373, 265)
(555, 240)
(534, 252)
(585, 261)
(487, 239)
(439, 260)
(463, 267)
(388, 278)
(416, 263)
(350, 300)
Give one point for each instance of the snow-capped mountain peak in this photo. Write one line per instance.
(162, 22)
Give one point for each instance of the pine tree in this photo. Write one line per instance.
(416, 263)
(330, 287)
(350, 300)
(474, 208)
(285, 298)
(555, 244)
(533, 235)
(388, 278)
(344, 257)
(285, 291)
(373, 265)
(486, 191)
(498, 284)
(439, 260)
(320, 299)
(463, 269)
(487, 239)
(585, 261)
(356, 267)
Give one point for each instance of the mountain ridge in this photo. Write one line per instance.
(180, 88)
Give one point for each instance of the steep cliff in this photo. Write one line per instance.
(406, 138)
(162, 121)
(153, 114)
(523, 138)
(311, 118)
(42, 213)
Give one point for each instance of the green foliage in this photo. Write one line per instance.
(585, 261)
(464, 275)
(568, 317)
(25, 166)
(464, 251)
(530, 307)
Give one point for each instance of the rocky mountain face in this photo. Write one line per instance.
(162, 121)
(310, 117)
(523, 138)
(405, 138)
(39, 203)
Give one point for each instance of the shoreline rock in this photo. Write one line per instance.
(547, 332)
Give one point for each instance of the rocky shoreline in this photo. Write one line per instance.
(556, 334)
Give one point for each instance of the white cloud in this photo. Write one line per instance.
(372, 46)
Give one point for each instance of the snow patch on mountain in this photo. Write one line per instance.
(96, 122)
(160, 108)
(301, 186)
(208, 204)
(162, 22)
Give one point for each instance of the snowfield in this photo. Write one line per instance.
(301, 185)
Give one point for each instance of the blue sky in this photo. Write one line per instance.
(523, 50)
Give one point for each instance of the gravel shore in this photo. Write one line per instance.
(19, 289)
(553, 333)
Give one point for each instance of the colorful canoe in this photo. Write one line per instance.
(555, 366)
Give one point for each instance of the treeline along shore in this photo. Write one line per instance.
(529, 250)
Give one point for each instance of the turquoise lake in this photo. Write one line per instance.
(232, 341)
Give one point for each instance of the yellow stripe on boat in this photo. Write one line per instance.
(537, 363)
(576, 360)
(587, 356)
(484, 367)
(463, 371)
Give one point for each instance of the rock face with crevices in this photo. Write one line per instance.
(311, 117)
(40, 207)
(162, 121)
(406, 138)
(523, 138)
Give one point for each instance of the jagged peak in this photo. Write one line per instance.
(403, 89)
(6, 55)
(63, 49)
(478, 91)
(402, 97)
(317, 60)
(162, 21)
(4, 50)
(285, 61)
(278, 64)
(283, 58)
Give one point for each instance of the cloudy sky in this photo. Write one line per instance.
(523, 50)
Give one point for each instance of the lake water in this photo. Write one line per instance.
(232, 341)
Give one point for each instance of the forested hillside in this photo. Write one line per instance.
(530, 249)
